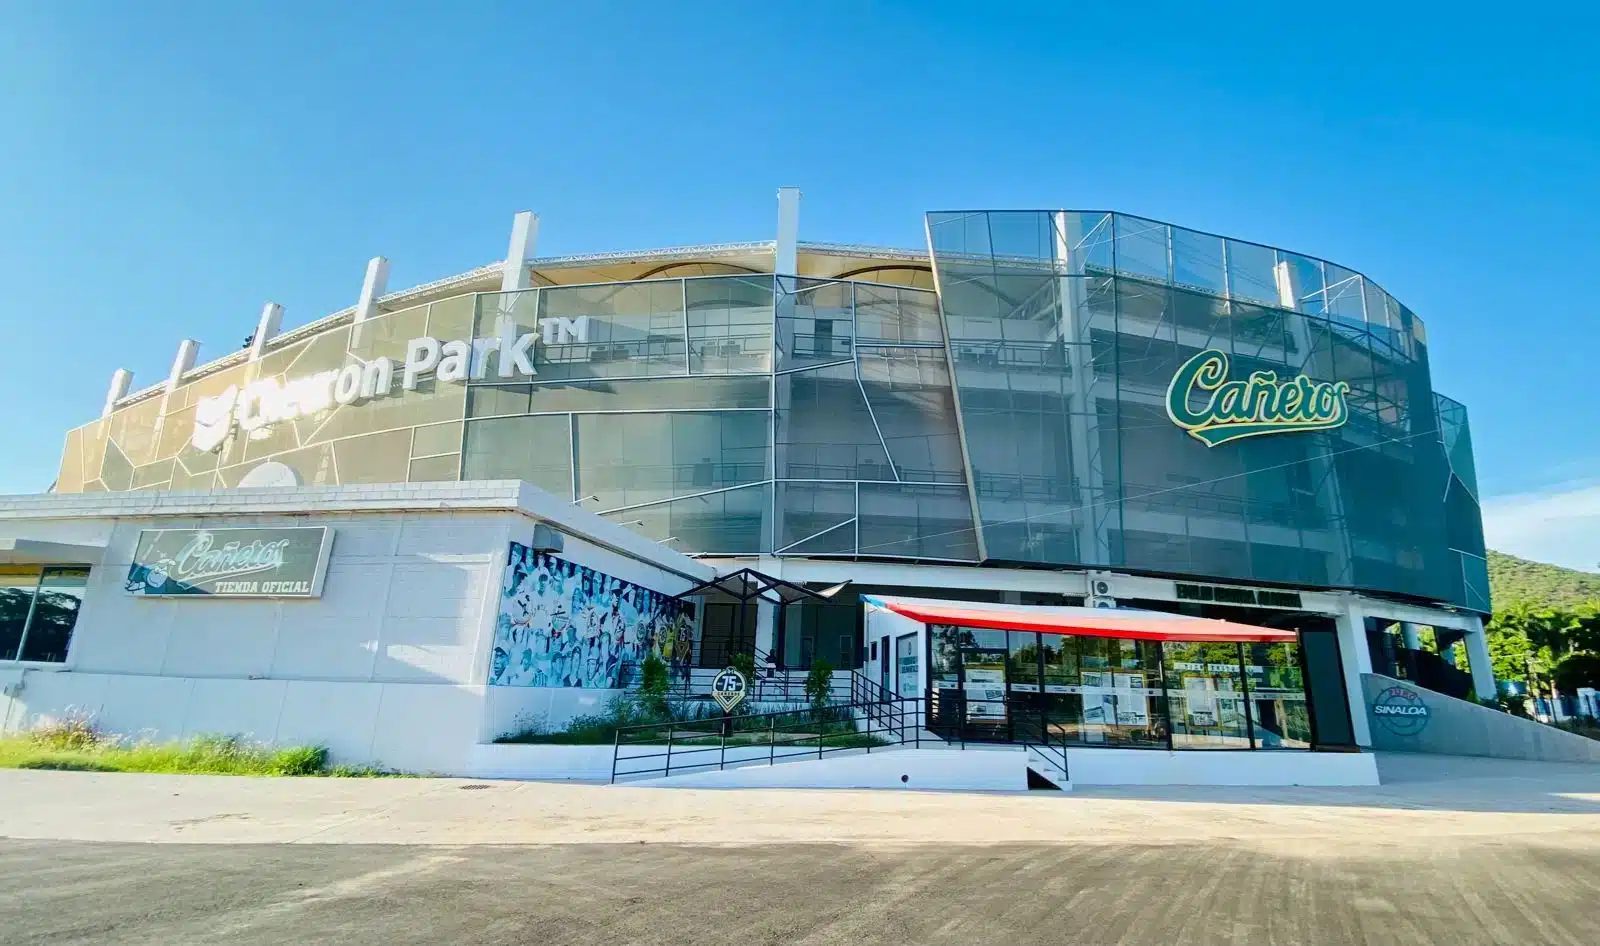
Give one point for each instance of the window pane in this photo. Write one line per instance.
(440, 468)
(55, 613)
(1119, 698)
(635, 330)
(906, 520)
(727, 523)
(1250, 272)
(1022, 661)
(815, 325)
(17, 586)
(1278, 697)
(628, 459)
(537, 450)
(730, 324)
(908, 390)
(826, 430)
(897, 315)
(1206, 694)
(1197, 260)
(1141, 247)
(816, 518)
(659, 394)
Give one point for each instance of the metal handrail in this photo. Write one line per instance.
(788, 728)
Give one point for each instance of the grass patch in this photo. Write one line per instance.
(699, 723)
(75, 745)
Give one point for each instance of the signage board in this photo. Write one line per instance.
(1401, 710)
(728, 689)
(1261, 404)
(287, 562)
(266, 401)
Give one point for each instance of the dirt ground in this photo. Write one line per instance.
(1457, 851)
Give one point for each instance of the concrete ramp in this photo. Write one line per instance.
(1407, 718)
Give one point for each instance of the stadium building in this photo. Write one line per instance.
(473, 505)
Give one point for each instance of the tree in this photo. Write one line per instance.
(1576, 671)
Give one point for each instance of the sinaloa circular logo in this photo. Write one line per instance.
(1401, 711)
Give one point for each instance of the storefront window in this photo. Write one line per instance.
(1116, 693)
(1205, 691)
(38, 608)
(1278, 714)
(1022, 661)
(1120, 689)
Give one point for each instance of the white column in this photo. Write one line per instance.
(1478, 660)
(373, 287)
(121, 380)
(266, 327)
(787, 262)
(188, 351)
(524, 241)
(1357, 660)
(1412, 635)
(766, 626)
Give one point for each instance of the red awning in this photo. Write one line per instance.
(1085, 622)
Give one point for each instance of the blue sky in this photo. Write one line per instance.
(164, 172)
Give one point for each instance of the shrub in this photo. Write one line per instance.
(654, 681)
(299, 760)
(819, 685)
(745, 664)
(73, 732)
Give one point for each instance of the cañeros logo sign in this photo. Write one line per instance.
(1261, 404)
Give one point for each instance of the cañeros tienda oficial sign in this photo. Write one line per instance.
(230, 563)
(1260, 404)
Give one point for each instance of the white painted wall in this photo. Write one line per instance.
(1220, 767)
(388, 667)
(880, 623)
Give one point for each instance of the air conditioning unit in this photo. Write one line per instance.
(547, 539)
(1100, 586)
(1101, 601)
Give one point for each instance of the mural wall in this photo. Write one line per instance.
(562, 624)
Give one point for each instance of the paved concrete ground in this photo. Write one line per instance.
(1459, 851)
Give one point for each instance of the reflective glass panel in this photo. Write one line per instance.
(537, 450)
(1278, 713)
(1205, 692)
(55, 612)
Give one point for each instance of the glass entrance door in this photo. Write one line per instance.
(983, 690)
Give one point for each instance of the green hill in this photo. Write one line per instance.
(1513, 579)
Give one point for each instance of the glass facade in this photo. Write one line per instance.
(1066, 329)
(1028, 686)
(1018, 414)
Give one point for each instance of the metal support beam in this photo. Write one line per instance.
(182, 363)
(121, 380)
(266, 327)
(373, 287)
(787, 262)
(524, 242)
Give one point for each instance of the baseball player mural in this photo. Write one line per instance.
(562, 624)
